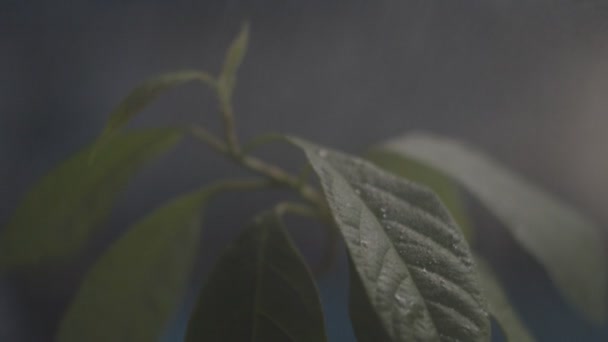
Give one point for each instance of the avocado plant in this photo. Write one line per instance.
(397, 209)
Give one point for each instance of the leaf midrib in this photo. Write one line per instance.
(437, 219)
(391, 245)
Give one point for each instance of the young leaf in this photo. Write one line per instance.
(443, 186)
(234, 58)
(413, 262)
(498, 303)
(147, 92)
(130, 293)
(260, 290)
(59, 214)
(569, 246)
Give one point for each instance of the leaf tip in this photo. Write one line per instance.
(235, 55)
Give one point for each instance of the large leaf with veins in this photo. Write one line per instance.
(415, 269)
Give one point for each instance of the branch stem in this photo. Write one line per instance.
(297, 209)
(272, 172)
(229, 124)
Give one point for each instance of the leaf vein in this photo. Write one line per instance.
(457, 290)
(429, 239)
(276, 324)
(412, 205)
(291, 285)
(452, 312)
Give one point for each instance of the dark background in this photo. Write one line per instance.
(525, 80)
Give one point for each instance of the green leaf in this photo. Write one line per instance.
(60, 213)
(260, 290)
(442, 185)
(413, 262)
(147, 92)
(498, 303)
(568, 245)
(366, 323)
(234, 57)
(133, 289)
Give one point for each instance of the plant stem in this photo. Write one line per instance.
(229, 124)
(239, 185)
(271, 172)
(296, 208)
(207, 137)
(276, 175)
(261, 140)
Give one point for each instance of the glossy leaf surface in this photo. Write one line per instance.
(442, 185)
(415, 268)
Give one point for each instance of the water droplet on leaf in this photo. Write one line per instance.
(399, 298)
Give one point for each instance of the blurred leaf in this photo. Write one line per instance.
(366, 323)
(498, 303)
(568, 245)
(414, 264)
(442, 185)
(133, 289)
(260, 290)
(147, 92)
(58, 215)
(234, 58)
